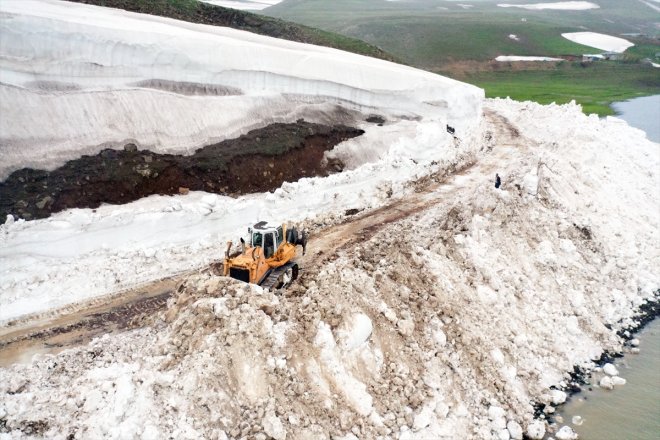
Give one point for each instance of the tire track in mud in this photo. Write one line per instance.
(134, 308)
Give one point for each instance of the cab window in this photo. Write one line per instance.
(257, 239)
(269, 245)
(280, 237)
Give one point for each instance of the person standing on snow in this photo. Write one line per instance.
(498, 181)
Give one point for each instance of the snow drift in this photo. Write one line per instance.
(77, 78)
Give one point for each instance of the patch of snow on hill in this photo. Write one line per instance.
(599, 41)
(77, 78)
(503, 58)
(562, 6)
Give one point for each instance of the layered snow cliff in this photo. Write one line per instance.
(77, 78)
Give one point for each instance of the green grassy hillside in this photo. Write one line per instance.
(595, 86)
(443, 37)
(429, 33)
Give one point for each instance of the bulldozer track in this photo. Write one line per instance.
(130, 309)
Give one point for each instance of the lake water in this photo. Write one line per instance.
(630, 411)
(642, 113)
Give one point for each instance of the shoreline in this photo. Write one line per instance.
(580, 377)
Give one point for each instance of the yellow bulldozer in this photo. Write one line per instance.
(266, 259)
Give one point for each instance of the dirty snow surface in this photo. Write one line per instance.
(599, 41)
(447, 320)
(444, 309)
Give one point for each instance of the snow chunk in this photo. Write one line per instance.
(567, 245)
(557, 397)
(486, 295)
(617, 381)
(406, 327)
(606, 382)
(356, 331)
(531, 183)
(515, 430)
(424, 418)
(566, 433)
(610, 370)
(536, 430)
(546, 254)
(353, 390)
(495, 412)
(273, 427)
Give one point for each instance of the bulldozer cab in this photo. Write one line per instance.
(267, 260)
(269, 238)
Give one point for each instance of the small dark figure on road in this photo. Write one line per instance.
(451, 130)
(498, 181)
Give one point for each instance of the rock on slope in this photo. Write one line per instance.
(447, 323)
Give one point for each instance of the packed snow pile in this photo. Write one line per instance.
(75, 79)
(449, 322)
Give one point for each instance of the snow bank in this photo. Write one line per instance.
(599, 41)
(561, 6)
(76, 78)
(82, 253)
(446, 323)
(523, 58)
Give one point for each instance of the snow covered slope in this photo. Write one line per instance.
(445, 317)
(77, 78)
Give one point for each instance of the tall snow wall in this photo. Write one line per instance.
(76, 78)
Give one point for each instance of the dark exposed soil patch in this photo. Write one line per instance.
(260, 160)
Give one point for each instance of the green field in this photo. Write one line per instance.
(422, 34)
(595, 86)
(443, 37)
